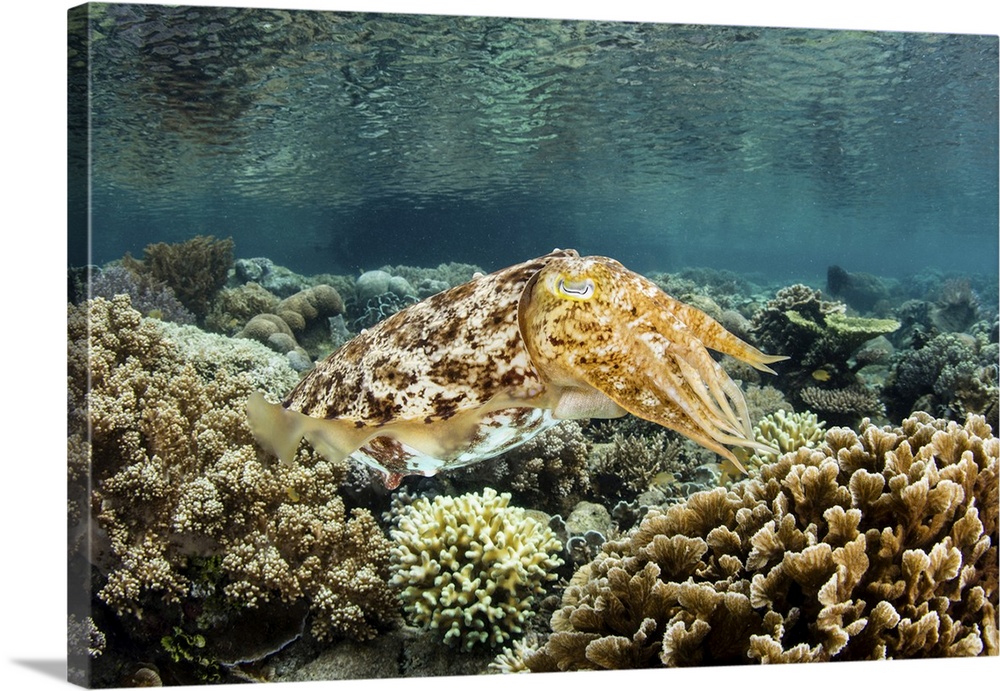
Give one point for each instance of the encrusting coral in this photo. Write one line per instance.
(177, 483)
(471, 567)
(876, 544)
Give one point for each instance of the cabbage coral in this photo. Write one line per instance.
(878, 544)
(471, 567)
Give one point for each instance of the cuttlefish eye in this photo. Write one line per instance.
(575, 289)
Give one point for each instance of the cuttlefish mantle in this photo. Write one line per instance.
(478, 369)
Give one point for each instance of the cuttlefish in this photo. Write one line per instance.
(473, 371)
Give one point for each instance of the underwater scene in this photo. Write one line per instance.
(410, 345)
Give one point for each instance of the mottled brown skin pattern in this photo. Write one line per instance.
(480, 368)
(592, 322)
(454, 351)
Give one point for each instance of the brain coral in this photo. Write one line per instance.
(470, 567)
(878, 544)
(169, 478)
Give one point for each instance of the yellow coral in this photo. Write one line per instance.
(471, 566)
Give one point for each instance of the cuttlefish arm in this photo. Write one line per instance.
(597, 331)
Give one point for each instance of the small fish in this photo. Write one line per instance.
(476, 370)
(821, 375)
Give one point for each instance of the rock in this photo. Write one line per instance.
(588, 516)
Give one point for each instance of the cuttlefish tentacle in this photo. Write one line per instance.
(589, 322)
(714, 335)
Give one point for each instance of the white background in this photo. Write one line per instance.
(32, 268)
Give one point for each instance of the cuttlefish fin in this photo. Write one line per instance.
(279, 431)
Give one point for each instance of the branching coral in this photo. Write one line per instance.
(549, 471)
(176, 479)
(149, 297)
(877, 544)
(844, 406)
(952, 374)
(785, 431)
(629, 464)
(472, 566)
(195, 269)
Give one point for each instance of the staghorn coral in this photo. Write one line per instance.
(877, 544)
(471, 567)
(195, 269)
(177, 482)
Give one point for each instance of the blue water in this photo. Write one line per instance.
(335, 142)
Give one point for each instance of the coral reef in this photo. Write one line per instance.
(862, 291)
(956, 307)
(195, 270)
(377, 308)
(150, 298)
(950, 375)
(427, 281)
(189, 522)
(819, 338)
(844, 406)
(549, 471)
(299, 326)
(764, 400)
(471, 567)
(785, 431)
(234, 307)
(877, 544)
(307, 307)
(629, 464)
(274, 278)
